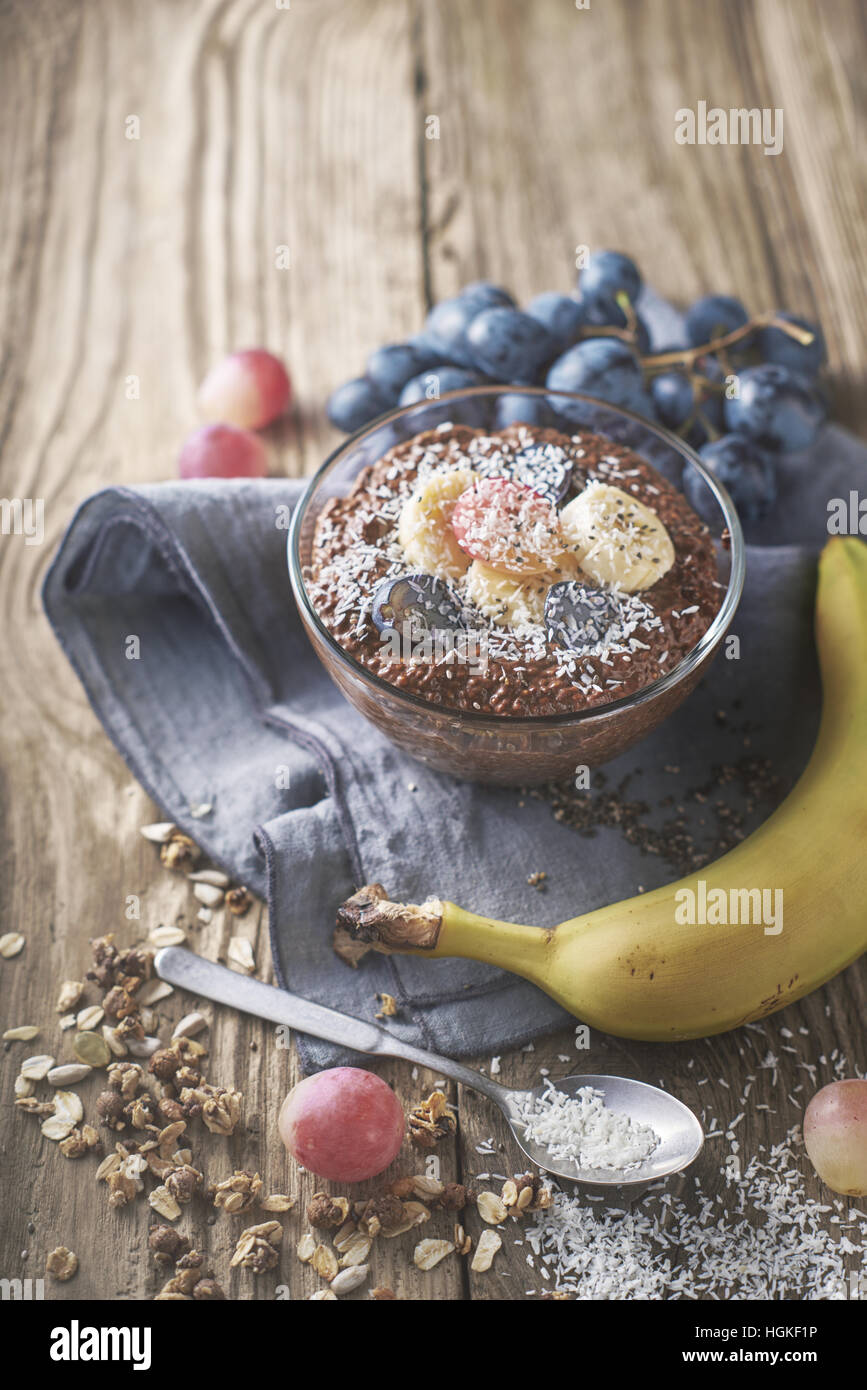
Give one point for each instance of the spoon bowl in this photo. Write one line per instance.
(679, 1131)
(680, 1135)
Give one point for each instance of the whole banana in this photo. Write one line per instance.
(674, 964)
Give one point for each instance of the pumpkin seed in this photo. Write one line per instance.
(92, 1049)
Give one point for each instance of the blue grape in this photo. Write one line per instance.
(447, 379)
(578, 616)
(608, 274)
(509, 345)
(422, 601)
(745, 472)
(513, 408)
(673, 397)
(445, 328)
(391, 367)
(776, 407)
(714, 316)
(776, 346)
(602, 367)
(487, 295)
(354, 404)
(561, 314)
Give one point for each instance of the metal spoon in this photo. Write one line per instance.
(681, 1136)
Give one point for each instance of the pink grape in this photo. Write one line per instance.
(248, 389)
(835, 1136)
(345, 1124)
(221, 451)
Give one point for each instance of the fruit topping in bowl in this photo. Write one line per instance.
(422, 601)
(508, 526)
(618, 539)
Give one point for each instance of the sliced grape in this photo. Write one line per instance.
(579, 617)
(544, 468)
(422, 601)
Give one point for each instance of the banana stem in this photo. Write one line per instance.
(510, 945)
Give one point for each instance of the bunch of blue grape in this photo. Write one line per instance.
(741, 391)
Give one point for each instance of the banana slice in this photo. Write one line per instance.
(617, 539)
(424, 526)
(511, 600)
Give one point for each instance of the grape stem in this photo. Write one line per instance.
(687, 356)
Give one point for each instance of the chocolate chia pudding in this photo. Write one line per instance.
(567, 570)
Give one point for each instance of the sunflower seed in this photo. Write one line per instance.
(160, 832)
(90, 1018)
(215, 877)
(152, 991)
(205, 916)
(489, 1244)
(349, 1279)
(190, 1025)
(25, 1033)
(37, 1068)
(69, 1074)
(143, 1047)
(70, 993)
(429, 1252)
(207, 894)
(240, 953)
(115, 1042)
(167, 936)
(92, 1049)
(11, 944)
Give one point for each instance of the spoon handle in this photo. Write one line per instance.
(210, 981)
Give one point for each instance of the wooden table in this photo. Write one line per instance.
(156, 158)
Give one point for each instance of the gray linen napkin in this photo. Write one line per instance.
(227, 704)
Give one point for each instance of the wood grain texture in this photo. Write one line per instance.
(262, 128)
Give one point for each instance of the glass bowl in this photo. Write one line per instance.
(497, 748)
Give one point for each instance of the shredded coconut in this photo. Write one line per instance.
(765, 1240)
(584, 1129)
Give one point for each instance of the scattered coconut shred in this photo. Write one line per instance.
(581, 1128)
(615, 1254)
